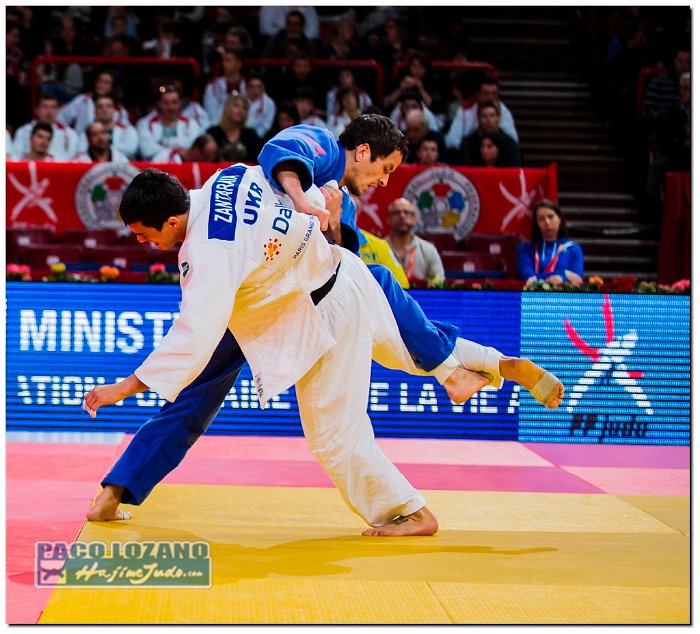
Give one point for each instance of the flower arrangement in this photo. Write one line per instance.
(58, 273)
(158, 274)
(108, 273)
(18, 273)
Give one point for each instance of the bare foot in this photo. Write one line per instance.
(105, 507)
(527, 373)
(422, 522)
(462, 384)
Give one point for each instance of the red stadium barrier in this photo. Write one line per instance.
(472, 67)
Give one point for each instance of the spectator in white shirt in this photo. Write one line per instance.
(203, 150)
(411, 100)
(64, 141)
(350, 109)
(218, 90)
(261, 114)
(271, 20)
(466, 119)
(80, 111)
(167, 128)
(123, 138)
(98, 148)
(39, 143)
(346, 77)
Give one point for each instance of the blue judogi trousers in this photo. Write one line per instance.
(163, 441)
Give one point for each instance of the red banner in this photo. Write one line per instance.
(449, 199)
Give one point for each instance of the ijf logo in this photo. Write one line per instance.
(447, 201)
(99, 193)
(608, 369)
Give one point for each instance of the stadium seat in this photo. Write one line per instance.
(442, 241)
(90, 239)
(472, 264)
(123, 257)
(42, 256)
(19, 239)
(499, 244)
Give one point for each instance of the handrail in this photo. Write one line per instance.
(108, 61)
(351, 63)
(469, 66)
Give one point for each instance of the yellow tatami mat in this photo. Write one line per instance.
(295, 555)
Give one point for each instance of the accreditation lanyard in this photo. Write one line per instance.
(409, 265)
(551, 265)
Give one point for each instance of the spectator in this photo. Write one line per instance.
(346, 77)
(274, 19)
(389, 47)
(684, 92)
(466, 119)
(16, 75)
(376, 250)
(420, 77)
(9, 146)
(167, 127)
(64, 141)
(212, 41)
(262, 110)
(489, 123)
(123, 137)
(304, 101)
(344, 44)
(300, 74)
(416, 131)
(169, 41)
(419, 258)
(122, 22)
(203, 150)
(662, 94)
(292, 34)
(549, 255)
(98, 148)
(428, 152)
(218, 90)
(286, 117)
(232, 129)
(350, 109)
(411, 100)
(80, 111)
(39, 143)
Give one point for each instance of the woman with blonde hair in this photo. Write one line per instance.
(232, 129)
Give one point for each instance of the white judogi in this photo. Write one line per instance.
(466, 120)
(249, 263)
(152, 137)
(64, 142)
(79, 113)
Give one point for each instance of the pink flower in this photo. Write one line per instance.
(681, 285)
(157, 268)
(14, 268)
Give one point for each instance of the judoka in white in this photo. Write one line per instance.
(251, 264)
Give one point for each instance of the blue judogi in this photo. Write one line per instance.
(161, 444)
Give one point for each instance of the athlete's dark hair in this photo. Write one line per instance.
(549, 204)
(151, 198)
(379, 132)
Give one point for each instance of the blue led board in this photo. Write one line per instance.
(625, 363)
(62, 339)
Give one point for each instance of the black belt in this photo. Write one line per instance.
(322, 291)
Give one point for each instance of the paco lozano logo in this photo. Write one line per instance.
(609, 370)
(272, 249)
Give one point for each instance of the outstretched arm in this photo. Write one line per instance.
(110, 394)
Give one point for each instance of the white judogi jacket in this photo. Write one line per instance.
(151, 139)
(64, 142)
(79, 113)
(248, 263)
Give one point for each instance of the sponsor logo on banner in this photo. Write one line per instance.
(446, 200)
(99, 193)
